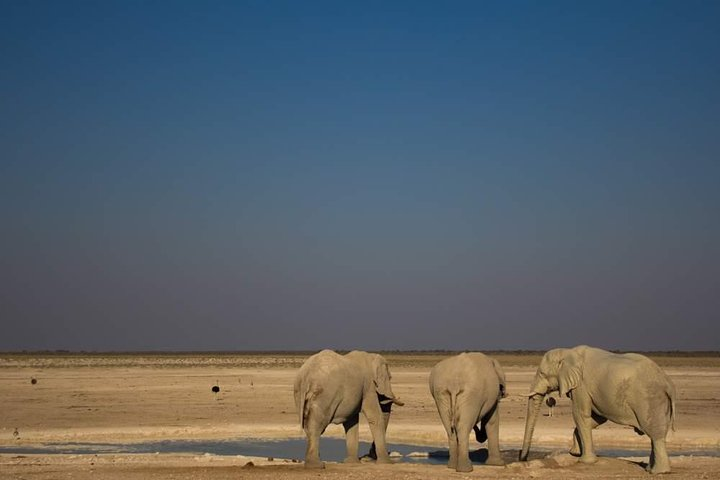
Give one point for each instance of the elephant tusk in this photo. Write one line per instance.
(386, 400)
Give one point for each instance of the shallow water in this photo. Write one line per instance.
(331, 449)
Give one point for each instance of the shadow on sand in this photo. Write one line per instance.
(480, 456)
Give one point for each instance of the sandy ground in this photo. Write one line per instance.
(136, 398)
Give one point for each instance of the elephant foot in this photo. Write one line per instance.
(589, 459)
(314, 464)
(383, 459)
(464, 467)
(351, 460)
(495, 461)
(575, 450)
(658, 468)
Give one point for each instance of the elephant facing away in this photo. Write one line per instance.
(628, 389)
(467, 389)
(334, 388)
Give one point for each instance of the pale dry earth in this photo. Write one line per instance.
(137, 398)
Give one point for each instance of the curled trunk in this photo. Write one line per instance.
(534, 403)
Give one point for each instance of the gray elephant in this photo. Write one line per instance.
(333, 388)
(628, 389)
(467, 389)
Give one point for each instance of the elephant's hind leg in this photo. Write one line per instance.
(654, 419)
(491, 423)
(351, 438)
(462, 431)
(659, 460)
(313, 430)
(443, 406)
(312, 450)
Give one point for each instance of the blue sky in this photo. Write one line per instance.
(378, 175)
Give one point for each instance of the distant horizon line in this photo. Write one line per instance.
(311, 351)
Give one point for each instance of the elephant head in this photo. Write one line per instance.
(560, 369)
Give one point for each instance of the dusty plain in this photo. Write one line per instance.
(128, 398)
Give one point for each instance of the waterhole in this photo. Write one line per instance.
(331, 449)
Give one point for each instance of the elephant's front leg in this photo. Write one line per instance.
(582, 414)
(597, 420)
(351, 438)
(491, 423)
(386, 408)
(371, 409)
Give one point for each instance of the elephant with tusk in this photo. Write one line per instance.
(334, 388)
(628, 389)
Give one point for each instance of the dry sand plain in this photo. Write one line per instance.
(140, 398)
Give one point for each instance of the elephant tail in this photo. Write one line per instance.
(302, 402)
(671, 399)
(454, 414)
(307, 394)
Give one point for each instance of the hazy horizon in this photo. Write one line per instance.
(381, 176)
(310, 351)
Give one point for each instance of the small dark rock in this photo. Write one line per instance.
(270, 459)
(215, 389)
(249, 465)
(33, 381)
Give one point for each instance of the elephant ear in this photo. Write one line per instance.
(501, 378)
(381, 376)
(381, 381)
(570, 373)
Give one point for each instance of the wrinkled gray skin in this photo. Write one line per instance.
(628, 389)
(333, 388)
(467, 389)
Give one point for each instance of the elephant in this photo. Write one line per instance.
(334, 388)
(467, 389)
(628, 389)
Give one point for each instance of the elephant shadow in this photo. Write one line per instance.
(476, 456)
(641, 464)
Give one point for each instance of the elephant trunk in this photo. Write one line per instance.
(534, 403)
